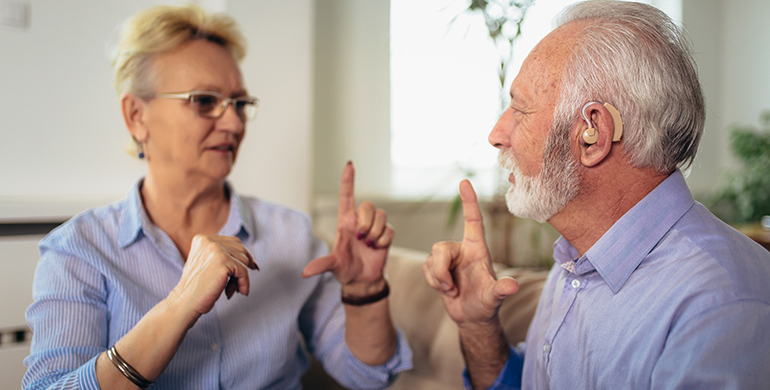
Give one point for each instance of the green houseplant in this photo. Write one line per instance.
(745, 195)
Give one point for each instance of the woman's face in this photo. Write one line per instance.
(179, 141)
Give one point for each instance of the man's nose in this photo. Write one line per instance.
(499, 137)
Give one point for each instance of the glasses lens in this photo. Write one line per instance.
(206, 104)
(246, 108)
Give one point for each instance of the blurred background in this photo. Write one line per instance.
(407, 90)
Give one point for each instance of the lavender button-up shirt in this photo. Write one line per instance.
(670, 297)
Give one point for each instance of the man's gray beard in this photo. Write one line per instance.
(542, 196)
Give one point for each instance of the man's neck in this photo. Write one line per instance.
(603, 200)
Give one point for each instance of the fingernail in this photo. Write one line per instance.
(361, 235)
(444, 286)
(370, 243)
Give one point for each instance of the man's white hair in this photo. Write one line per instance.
(636, 58)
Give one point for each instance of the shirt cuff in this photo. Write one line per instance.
(387, 372)
(87, 375)
(509, 377)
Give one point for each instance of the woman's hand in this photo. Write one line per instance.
(360, 245)
(215, 264)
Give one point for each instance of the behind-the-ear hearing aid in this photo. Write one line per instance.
(590, 135)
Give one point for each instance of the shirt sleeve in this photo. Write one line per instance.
(68, 318)
(510, 375)
(322, 322)
(725, 347)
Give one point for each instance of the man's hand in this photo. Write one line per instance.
(462, 271)
(360, 245)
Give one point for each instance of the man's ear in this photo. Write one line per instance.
(595, 138)
(133, 110)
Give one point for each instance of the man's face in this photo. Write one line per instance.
(536, 149)
(541, 197)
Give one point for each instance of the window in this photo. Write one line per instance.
(445, 93)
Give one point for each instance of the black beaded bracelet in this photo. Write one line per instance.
(126, 369)
(360, 301)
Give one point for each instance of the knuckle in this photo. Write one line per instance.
(440, 248)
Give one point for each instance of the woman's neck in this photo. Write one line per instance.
(183, 208)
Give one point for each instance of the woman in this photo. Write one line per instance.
(131, 293)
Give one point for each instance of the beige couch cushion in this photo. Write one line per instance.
(418, 310)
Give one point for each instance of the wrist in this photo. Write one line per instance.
(176, 306)
(481, 327)
(361, 289)
(364, 293)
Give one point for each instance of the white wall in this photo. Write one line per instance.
(352, 94)
(62, 133)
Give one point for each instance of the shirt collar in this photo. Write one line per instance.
(622, 248)
(131, 218)
(135, 222)
(240, 223)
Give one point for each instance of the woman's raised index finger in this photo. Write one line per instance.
(347, 202)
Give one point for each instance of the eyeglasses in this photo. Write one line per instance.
(213, 105)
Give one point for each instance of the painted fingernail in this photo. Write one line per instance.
(370, 243)
(361, 235)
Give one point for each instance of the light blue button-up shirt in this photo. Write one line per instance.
(670, 297)
(100, 272)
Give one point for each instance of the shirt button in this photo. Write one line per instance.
(575, 283)
(214, 347)
(546, 348)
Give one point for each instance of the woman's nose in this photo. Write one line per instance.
(231, 121)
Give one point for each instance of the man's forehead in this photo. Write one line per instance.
(543, 68)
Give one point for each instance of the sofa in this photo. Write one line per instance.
(418, 310)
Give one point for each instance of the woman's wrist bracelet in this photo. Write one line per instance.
(127, 370)
(360, 301)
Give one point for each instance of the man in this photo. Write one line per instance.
(649, 290)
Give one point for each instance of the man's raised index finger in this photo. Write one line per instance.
(347, 203)
(474, 226)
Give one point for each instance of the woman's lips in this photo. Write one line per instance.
(223, 148)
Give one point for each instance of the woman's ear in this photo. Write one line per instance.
(595, 138)
(133, 110)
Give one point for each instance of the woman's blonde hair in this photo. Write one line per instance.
(163, 28)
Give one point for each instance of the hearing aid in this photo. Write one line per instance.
(590, 135)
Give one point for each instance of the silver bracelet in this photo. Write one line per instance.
(127, 370)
